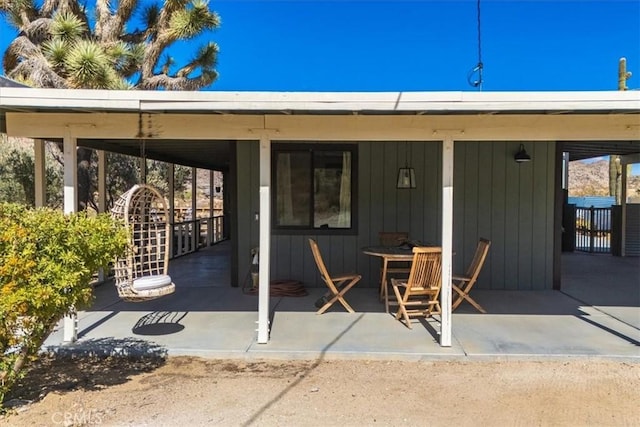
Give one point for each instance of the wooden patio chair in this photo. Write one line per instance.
(418, 295)
(392, 238)
(462, 284)
(338, 285)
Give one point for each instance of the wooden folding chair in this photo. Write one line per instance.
(392, 238)
(338, 285)
(420, 292)
(462, 284)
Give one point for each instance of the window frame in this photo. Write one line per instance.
(288, 147)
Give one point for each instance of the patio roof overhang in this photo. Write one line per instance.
(79, 116)
(589, 124)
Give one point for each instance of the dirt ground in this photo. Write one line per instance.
(184, 391)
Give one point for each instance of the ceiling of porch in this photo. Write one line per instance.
(205, 154)
(588, 150)
(215, 154)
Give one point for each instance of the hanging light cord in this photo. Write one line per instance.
(478, 68)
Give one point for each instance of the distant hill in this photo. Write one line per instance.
(592, 179)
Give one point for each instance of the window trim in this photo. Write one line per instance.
(285, 147)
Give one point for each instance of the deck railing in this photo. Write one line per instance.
(593, 229)
(189, 236)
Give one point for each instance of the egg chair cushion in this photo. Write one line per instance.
(151, 282)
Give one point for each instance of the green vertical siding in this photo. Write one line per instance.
(512, 205)
(494, 197)
(248, 180)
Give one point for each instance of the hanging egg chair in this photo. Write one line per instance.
(141, 273)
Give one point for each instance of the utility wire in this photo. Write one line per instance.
(478, 68)
(479, 49)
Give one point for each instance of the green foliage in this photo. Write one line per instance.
(67, 26)
(73, 44)
(47, 261)
(17, 175)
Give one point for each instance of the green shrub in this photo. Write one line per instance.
(47, 261)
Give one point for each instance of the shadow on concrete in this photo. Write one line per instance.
(159, 323)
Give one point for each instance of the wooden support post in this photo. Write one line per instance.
(102, 192)
(623, 208)
(40, 175)
(265, 240)
(172, 210)
(212, 192)
(195, 238)
(70, 145)
(447, 240)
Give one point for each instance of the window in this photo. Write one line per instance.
(314, 188)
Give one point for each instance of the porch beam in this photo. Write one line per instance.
(40, 173)
(70, 180)
(195, 236)
(623, 208)
(476, 127)
(447, 240)
(172, 210)
(629, 159)
(102, 181)
(210, 234)
(265, 240)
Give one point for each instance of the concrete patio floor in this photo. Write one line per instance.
(596, 315)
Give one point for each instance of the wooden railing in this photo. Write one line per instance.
(189, 236)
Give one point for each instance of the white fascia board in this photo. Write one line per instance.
(261, 102)
(521, 101)
(66, 98)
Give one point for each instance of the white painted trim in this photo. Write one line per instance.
(265, 240)
(172, 203)
(70, 179)
(454, 101)
(447, 240)
(194, 194)
(40, 173)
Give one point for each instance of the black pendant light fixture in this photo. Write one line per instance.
(522, 156)
(406, 175)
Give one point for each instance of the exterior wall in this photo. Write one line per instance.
(632, 238)
(512, 205)
(494, 197)
(246, 228)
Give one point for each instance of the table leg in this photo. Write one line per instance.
(383, 282)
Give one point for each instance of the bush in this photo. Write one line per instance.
(47, 261)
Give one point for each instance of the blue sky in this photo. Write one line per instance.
(420, 45)
(425, 45)
(358, 45)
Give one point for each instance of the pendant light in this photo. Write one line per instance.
(406, 175)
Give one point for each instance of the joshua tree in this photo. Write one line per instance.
(61, 44)
(58, 46)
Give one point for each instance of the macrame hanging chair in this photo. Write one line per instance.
(141, 274)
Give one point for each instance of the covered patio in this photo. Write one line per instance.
(594, 317)
(469, 138)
